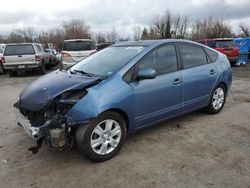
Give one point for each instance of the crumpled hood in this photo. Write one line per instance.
(39, 93)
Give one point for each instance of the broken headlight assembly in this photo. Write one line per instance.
(58, 133)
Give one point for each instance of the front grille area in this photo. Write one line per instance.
(35, 118)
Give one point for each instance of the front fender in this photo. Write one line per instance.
(111, 94)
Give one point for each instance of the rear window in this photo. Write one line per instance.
(22, 49)
(211, 43)
(225, 44)
(78, 45)
(202, 42)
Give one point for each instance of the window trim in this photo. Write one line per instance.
(190, 44)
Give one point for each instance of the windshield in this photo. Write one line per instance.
(108, 61)
(225, 43)
(78, 45)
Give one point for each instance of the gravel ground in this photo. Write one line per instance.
(195, 150)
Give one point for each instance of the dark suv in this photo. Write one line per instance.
(224, 45)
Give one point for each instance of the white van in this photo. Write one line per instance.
(75, 50)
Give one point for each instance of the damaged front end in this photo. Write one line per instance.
(51, 124)
(43, 106)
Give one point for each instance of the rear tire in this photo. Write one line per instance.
(217, 100)
(12, 73)
(1, 69)
(103, 137)
(42, 69)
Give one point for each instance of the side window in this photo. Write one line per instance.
(163, 60)
(128, 77)
(42, 49)
(37, 48)
(192, 55)
(211, 54)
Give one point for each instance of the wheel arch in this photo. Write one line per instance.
(121, 113)
(224, 84)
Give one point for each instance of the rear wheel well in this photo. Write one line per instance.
(122, 113)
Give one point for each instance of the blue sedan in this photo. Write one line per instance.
(122, 89)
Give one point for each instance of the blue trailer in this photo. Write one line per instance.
(244, 46)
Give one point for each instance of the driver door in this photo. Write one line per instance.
(162, 97)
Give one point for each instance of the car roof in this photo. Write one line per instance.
(148, 43)
(216, 39)
(72, 40)
(22, 43)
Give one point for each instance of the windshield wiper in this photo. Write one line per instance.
(82, 72)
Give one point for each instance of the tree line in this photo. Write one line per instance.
(164, 26)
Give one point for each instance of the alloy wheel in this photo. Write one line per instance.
(105, 137)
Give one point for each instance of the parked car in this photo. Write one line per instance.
(24, 56)
(52, 56)
(1, 62)
(122, 89)
(226, 46)
(101, 46)
(75, 50)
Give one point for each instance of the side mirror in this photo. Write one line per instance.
(146, 73)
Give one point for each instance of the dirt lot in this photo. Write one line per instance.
(196, 150)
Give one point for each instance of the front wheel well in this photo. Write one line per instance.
(122, 113)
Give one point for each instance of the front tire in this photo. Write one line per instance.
(103, 137)
(217, 100)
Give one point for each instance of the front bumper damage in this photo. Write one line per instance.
(52, 125)
(44, 108)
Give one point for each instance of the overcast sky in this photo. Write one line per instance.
(103, 15)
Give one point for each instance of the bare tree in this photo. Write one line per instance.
(137, 30)
(144, 35)
(171, 26)
(245, 30)
(76, 29)
(100, 38)
(163, 25)
(211, 28)
(112, 36)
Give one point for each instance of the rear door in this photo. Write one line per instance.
(19, 54)
(199, 76)
(162, 97)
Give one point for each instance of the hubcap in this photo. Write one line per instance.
(218, 98)
(105, 137)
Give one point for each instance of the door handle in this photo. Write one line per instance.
(177, 81)
(19, 55)
(212, 72)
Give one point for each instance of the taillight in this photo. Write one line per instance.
(37, 57)
(2, 60)
(65, 54)
(91, 53)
